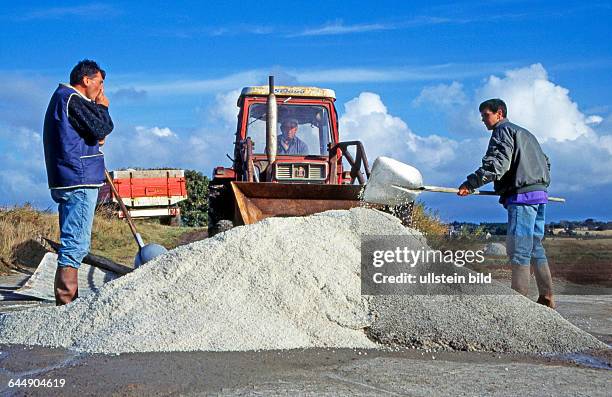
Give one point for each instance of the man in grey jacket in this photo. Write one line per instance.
(520, 171)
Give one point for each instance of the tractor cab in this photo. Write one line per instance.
(306, 125)
(288, 159)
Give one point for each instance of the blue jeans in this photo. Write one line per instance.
(76, 208)
(525, 234)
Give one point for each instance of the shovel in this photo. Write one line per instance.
(146, 252)
(440, 189)
(393, 183)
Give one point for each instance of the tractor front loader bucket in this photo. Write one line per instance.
(257, 201)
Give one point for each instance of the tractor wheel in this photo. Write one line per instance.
(219, 200)
(219, 227)
(176, 220)
(171, 220)
(223, 225)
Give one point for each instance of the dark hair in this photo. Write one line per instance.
(84, 68)
(494, 105)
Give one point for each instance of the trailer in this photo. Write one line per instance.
(148, 193)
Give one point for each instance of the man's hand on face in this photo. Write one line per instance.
(101, 99)
(464, 190)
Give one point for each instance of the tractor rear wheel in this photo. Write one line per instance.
(219, 204)
(222, 226)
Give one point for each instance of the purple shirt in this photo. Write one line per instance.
(530, 198)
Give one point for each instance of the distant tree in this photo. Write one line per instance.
(501, 229)
(194, 210)
(471, 231)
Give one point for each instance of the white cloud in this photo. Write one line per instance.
(174, 87)
(22, 166)
(442, 94)
(605, 142)
(395, 74)
(165, 132)
(537, 104)
(84, 11)
(580, 164)
(21, 186)
(594, 120)
(24, 99)
(241, 30)
(605, 127)
(225, 107)
(340, 28)
(201, 148)
(186, 86)
(28, 139)
(22, 175)
(366, 118)
(580, 160)
(580, 156)
(142, 147)
(128, 95)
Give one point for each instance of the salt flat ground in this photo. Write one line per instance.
(303, 372)
(325, 371)
(334, 372)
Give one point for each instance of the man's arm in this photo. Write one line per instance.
(496, 162)
(90, 119)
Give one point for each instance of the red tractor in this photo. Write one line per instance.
(288, 159)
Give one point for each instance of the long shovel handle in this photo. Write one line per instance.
(441, 189)
(124, 209)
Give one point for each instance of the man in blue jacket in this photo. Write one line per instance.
(76, 124)
(520, 171)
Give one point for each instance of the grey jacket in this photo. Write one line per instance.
(514, 161)
(296, 146)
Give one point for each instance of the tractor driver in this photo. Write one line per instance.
(288, 142)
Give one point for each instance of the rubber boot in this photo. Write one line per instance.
(520, 279)
(545, 288)
(66, 285)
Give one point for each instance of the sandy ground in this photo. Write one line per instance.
(320, 371)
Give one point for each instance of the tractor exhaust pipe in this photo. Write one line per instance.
(271, 123)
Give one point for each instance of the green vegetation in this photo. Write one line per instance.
(194, 210)
(427, 221)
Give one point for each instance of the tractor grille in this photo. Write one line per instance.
(301, 172)
(283, 171)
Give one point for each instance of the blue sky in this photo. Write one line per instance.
(408, 79)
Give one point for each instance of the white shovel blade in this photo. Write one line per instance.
(387, 172)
